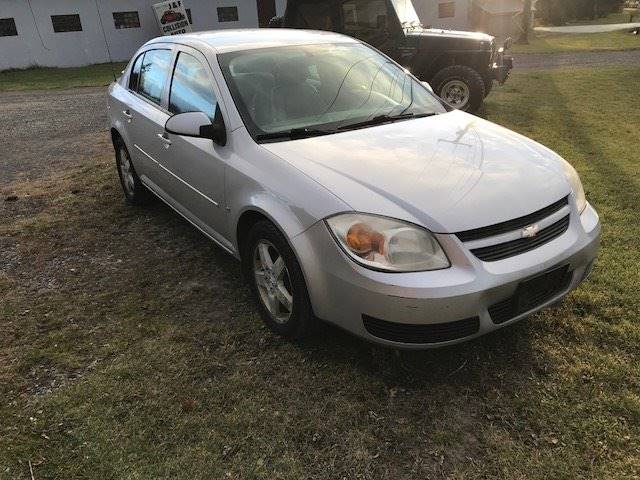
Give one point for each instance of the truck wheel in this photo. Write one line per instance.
(460, 86)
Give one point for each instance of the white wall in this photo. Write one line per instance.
(88, 46)
(427, 10)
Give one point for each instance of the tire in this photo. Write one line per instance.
(460, 86)
(488, 86)
(135, 193)
(297, 321)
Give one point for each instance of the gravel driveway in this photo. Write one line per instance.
(47, 131)
(543, 61)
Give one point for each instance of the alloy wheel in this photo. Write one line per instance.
(126, 170)
(273, 282)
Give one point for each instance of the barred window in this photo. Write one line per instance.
(227, 14)
(66, 23)
(447, 10)
(8, 27)
(126, 20)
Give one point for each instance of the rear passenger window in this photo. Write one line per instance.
(153, 74)
(191, 89)
(135, 74)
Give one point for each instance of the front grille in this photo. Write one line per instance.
(500, 251)
(511, 225)
(531, 294)
(431, 333)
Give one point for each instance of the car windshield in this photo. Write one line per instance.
(321, 88)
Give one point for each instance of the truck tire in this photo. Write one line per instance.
(460, 86)
(488, 86)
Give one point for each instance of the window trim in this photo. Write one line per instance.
(53, 25)
(15, 26)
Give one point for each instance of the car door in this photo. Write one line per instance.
(195, 167)
(145, 113)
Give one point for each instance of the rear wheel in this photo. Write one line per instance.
(460, 86)
(277, 282)
(135, 192)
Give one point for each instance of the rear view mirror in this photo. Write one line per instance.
(198, 125)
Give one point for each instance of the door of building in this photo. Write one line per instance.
(266, 11)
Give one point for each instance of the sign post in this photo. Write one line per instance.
(172, 17)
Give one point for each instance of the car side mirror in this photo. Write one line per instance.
(427, 85)
(198, 125)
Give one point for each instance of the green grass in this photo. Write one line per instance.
(609, 19)
(130, 349)
(579, 42)
(40, 78)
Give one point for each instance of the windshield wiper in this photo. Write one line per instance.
(294, 134)
(380, 119)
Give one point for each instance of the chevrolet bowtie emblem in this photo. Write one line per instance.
(530, 231)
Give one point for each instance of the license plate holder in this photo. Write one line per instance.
(531, 293)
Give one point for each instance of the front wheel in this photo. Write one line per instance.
(277, 282)
(460, 86)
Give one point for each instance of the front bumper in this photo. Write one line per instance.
(501, 69)
(349, 295)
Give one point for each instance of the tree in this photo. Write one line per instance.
(526, 22)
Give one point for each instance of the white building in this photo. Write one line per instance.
(65, 33)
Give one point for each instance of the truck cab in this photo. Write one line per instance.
(460, 66)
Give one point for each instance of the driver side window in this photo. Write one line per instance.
(191, 89)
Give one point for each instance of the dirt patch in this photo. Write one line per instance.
(50, 131)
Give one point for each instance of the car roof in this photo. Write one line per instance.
(223, 41)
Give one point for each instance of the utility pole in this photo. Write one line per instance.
(526, 22)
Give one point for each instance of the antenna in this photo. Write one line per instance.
(35, 23)
(106, 43)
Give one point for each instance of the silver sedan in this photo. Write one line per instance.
(349, 192)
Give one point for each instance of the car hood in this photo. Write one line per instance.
(450, 172)
(456, 34)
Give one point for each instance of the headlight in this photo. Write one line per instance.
(382, 243)
(576, 186)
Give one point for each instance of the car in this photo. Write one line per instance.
(349, 192)
(171, 16)
(461, 66)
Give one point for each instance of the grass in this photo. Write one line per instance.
(612, 18)
(129, 347)
(579, 42)
(41, 78)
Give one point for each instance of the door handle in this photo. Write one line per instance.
(127, 115)
(165, 139)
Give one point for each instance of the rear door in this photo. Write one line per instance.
(195, 167)
(145, 111)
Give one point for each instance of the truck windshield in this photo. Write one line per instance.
(406, 12)
(321, 88)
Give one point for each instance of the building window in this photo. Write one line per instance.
(447, 10)
(188, 10)
(126, 20)
(66, 23)
(227, 14)
(8, 27)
